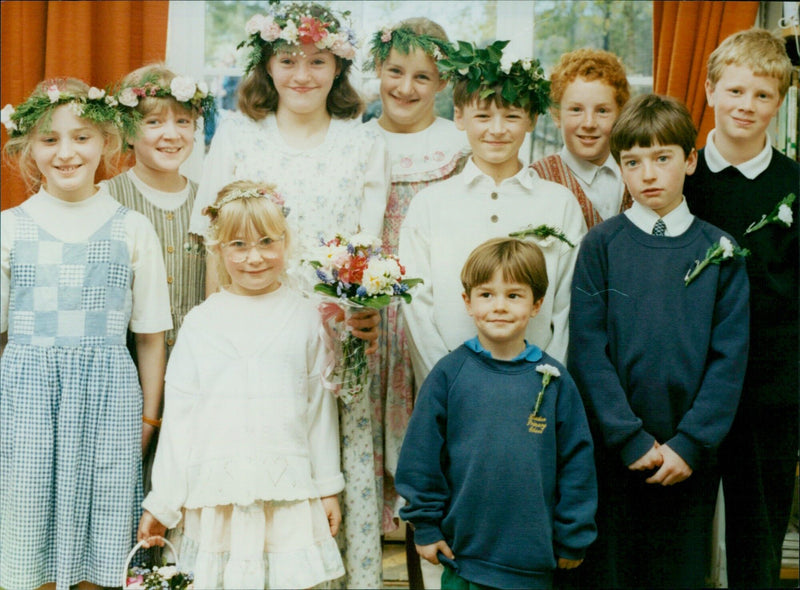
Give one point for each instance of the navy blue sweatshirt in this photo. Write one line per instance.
(655, 359)
(508, 498)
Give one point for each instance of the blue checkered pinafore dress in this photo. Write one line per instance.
(70, 411)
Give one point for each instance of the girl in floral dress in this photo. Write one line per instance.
(295, 130)
(78, 270)
(423, 149)
(247, 470)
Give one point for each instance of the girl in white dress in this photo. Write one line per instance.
(296, 130)
(247, 469)
(78, 270)
(423, 149)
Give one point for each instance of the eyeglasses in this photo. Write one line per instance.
(238, 250)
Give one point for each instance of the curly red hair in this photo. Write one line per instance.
(591, 64)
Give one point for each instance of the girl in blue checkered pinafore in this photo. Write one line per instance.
(77, 270)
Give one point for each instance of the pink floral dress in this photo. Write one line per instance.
(418, 160)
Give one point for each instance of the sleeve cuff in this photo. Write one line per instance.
(427, 534)
(165, 515)
(329, 486)
(637, 446)
(686, 449)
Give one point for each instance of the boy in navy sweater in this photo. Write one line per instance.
(658, 348)
(497, 464)
(739, 178)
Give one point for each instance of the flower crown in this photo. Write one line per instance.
(522, 80)
(404, 40)
(294, 26)
(262, 192)
(191, 95)
(97, 106)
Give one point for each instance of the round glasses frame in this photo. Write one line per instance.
(238, 250)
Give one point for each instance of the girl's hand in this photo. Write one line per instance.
(652, 459)
(365, 325)
(431, 552)
(673, 469)
(150, 527)
(333, 512)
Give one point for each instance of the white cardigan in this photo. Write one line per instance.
(246, 417)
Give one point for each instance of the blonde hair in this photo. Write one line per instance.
(757, 49)
(419, 25)
(591, 64)
(159, 74)
(18, 149)
(520, 262)
(238, 217)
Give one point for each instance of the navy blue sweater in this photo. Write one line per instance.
(732, 201)
(505, 499)
(655, 359)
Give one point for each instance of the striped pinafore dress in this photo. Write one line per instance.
(70, 410)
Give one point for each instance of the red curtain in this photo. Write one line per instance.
(684, 35)
(96, 41)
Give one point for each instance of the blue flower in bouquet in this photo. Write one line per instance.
(354, 271)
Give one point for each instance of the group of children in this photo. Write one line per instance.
(585, 424)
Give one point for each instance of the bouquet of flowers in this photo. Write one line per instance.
(354, 271)
(164, 577)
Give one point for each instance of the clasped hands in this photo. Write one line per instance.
(671, 468)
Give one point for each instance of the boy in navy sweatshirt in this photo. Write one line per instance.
(497, 464)
(658, 348)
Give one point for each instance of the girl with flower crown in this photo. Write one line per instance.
(295, 129)
(247, 470)
(78, 270)
(423, 149)
(170, 106)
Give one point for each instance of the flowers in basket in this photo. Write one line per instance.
(166, 577)
(718, 253)
(353, 271)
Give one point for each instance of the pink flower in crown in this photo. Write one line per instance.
(255, 24)
(386, 35)
(341, 46)
(270, 30)
(311, 30)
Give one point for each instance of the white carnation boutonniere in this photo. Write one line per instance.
(537, 423)
(782, 213)
(718, 253)
(543, 234)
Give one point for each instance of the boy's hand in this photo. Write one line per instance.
(673, 470)
(150, 527)
(650, 460)
(568, 564)
(431, 552)
(364, 324)
(333, 512)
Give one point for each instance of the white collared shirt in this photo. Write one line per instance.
(447, 220)
(603, 184)
(677, 221)
(750, 169)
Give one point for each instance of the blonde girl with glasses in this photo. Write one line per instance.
(247, 468)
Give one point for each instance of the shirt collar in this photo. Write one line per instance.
(677, 221)
(531, 354)
(749, 169)
(472, 174)
(587, 171)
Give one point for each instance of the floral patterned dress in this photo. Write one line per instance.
(339, 186)
(418, 160)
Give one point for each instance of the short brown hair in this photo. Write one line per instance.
(462, 98)
(520, 261)
(591, 64)
(650, 119)
(757, 49)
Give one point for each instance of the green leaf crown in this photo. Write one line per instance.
(404, 40)
(522, 81)
(288, 28)
(98, 106)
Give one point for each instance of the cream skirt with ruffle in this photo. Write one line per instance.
(263, 545)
